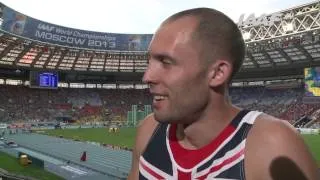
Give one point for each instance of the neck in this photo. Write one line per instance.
(208, 126)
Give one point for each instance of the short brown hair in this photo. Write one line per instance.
(218, 36)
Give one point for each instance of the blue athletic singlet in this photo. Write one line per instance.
(223, 158)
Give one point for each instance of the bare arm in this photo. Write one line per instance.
(275, 151)
(134, 171)
(144, 132)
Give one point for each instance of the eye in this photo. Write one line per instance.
(166, 61)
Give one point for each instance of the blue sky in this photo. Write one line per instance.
(135, 16)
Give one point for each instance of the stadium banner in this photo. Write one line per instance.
(308, 131)
(312, 81)
(22, 25)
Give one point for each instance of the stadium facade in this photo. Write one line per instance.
(279, 46)
(283, 53)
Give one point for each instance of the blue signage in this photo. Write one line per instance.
(49, 80)
(20, 24)
(40, 79)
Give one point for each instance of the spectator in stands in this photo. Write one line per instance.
(24, 104)
(195, 132)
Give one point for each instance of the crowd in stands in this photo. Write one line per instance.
(21, 104)
(24, 104)
(282, 103)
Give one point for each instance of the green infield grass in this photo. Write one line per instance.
(313, 142)
(12, 165)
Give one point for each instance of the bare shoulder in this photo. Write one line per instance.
(275, 150)
(147, 121)
(145, 130)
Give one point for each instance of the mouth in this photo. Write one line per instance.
(159, 97)
(159, 101)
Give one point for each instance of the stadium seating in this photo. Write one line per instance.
(23, 104)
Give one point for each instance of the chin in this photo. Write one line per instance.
(164, 118)
(161, 119)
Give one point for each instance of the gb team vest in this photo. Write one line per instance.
(222, 158)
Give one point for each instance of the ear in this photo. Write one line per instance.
(219, 73)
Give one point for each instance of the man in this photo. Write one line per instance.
(195, 132)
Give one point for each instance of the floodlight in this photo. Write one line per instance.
(288, 27)
(246, 35)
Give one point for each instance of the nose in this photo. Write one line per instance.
(150, 76)
(147, 76)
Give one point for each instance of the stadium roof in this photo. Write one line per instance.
(139, 16)
(278, 44)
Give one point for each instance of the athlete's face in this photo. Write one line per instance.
(175, 73)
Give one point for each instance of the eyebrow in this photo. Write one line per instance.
(161, 56)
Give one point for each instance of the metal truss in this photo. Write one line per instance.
(289, 38)
(296, 20)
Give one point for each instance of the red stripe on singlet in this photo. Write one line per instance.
(223, 163)
(184, 175)
(150, 171)
(189, 158)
